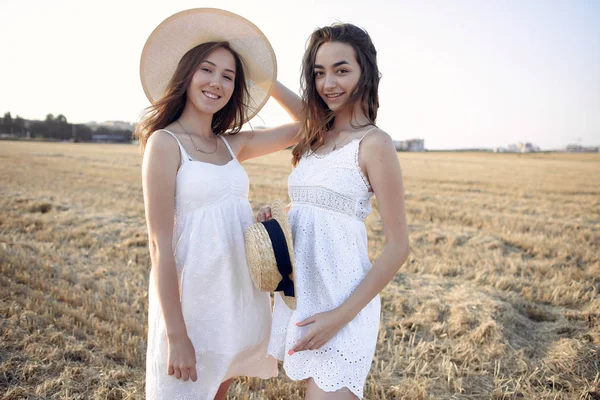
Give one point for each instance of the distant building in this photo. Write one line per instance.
(577, 148)
(410, 145)
(119, 125)
(109, 138)
(112, 125)
(520, 147)
(527, 147)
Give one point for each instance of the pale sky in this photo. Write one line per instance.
(456, 73)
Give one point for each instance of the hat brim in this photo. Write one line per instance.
(260, 254)
(183, 31)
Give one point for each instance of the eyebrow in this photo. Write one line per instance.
(337, 64)
(213, 64)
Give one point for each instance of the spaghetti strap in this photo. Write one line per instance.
(184, 155)
(360, 171)
(363, 136)
(228, 147)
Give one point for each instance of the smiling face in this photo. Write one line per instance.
(336, 73)
(213, 82)
(339, 79)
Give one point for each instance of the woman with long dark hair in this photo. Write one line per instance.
(341, 160)
(206, 72)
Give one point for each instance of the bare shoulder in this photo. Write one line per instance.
(163, 148)
(161, 142)
(161, 139)
(377, 142)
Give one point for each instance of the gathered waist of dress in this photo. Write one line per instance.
(330, 200)
(183, 206)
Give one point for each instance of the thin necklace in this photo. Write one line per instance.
(194, 144)
(335, 144)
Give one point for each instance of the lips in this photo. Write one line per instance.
(333, 96)
(211, 96)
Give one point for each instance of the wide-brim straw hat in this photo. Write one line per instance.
(270, 255)
(183, 31)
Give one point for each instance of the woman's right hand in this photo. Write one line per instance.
(264, 214)
(182, 358)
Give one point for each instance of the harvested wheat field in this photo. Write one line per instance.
(500, 298)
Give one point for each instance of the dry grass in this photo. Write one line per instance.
(500, 298)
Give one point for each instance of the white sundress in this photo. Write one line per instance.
(227, 319)
(330, 199)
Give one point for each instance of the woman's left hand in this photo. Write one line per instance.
(324, 326)
(264, 214)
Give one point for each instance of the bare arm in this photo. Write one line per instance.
(159, 170)
(383, 169)
(290, 101)
(256, 143)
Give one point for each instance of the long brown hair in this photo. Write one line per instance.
(317, 117)
(167, 109)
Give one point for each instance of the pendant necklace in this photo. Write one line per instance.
(194, 144)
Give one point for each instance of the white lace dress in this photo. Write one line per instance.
(330, 199)
(227, 319)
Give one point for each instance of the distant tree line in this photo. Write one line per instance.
(56, 128)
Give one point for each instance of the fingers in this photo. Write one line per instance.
(307, 344)
(264, 214)
(181, 363)
(193, 374)
(314, 344)
(192, 370)
(302, 344)
(298, 347)
(307, 321)
(260, 217)
(183, 373)
(317, 345)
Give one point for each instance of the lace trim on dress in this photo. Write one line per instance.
(360, 171)
(330, 200)
(362, 175)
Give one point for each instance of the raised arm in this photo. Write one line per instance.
(159, 170)
(290, 101)
(256, 143)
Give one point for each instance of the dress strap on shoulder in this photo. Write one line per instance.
(184, 155)
(366, 133)
(360, 171)
(228, 147)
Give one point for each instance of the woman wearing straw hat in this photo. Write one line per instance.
(342, 159)
(206, 72)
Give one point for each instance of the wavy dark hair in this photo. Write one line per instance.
(317, 117)
(164, 111)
